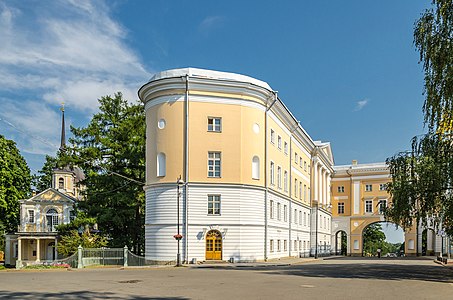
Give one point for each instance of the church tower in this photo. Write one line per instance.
(65, 179)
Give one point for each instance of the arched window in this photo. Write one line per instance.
(256, 167)
(52, 219)
(161, 164)
(61, 183)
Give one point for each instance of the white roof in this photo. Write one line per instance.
(202, 73)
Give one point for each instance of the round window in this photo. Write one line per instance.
(256, 128)
(161, 124)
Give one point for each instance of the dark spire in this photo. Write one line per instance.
(63, 136)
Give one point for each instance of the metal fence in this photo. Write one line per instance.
(72, 260)
(134, 260)
(102, 257)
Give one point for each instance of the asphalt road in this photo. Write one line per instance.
(347, 278)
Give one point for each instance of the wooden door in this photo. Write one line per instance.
(213, 245)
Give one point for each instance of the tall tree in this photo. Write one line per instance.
(422, 178)
(14, 184)
(111, 151)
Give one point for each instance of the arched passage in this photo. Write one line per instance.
(384, 239)
(341, 243)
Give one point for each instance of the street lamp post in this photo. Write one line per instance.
(178, 236)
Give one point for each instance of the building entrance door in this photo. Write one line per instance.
(213, 245)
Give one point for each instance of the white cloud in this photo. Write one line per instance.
(69, 51)
(361, 104)
(210, 23)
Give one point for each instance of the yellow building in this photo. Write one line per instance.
(251, 176)
(359, 197)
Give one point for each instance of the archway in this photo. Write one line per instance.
(428, 242)
(214, 245)
(341, 243)
(384, 239)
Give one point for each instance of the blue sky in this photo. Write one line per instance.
(347, 70)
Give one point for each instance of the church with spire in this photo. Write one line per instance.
(36, 239)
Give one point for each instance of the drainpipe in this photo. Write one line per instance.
(186, 169)
(265, 173)
(290, 183)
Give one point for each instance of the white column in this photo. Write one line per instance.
(328, 189)
(19, 249)
(319, 184)
(324, 186)
(38, 249)
(55, 249)
(23, 218)
(65, 219)
(315, 180)
(38, 217)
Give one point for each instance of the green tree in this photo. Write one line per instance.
(72, 240)
(15, 182)
(433, 38)
(422, 178)
(373, 238)
(111, 151)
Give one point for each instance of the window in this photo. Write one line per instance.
(161, 164)
(368, 206)
(296, 158)
(278, 246)
(285, 247)
(340, 207)
(285, 213)
(300, 161)
(256, 167)
(271, 209)
(305, 192)
(305, 166)
(368, 188)
(341, 189)
(285, 179)
(382, 187)
(52, 219)
(61, 183)
(382, 206)
(300, 190)
(285, 147)
(271, 247)
(214, 124)
(272, 173)
(295, 216)
(279, 177)
(214, 205)
(304, 245)
(31, 216)
(279, 211)
(272, 136)
(305, 218)
(214, 162)
(295, 245)
(300, 217)
(279, 142)
(295, 188)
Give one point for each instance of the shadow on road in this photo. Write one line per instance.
(360, 268)
(77, 295)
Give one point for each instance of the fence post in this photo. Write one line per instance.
(125, 256)
(79, 260)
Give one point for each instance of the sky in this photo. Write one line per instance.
(348, 70)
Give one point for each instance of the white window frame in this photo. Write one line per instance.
(214, 205)
(214, 156)
(285, 180)
(285, 148)
(296, 158)
(305, 166)
(271, 245)
(31, 216)
(279, 211)
(295, 216)
(340, 189)
(285, 245)
(382, 186)
(279, 246)
(271, 209)
(368, 187)
(295, 187)
(272, 136)
(300, 190)
(272, 171)
(340, 208)
(300, 217)
(368, 206)
(305, 193)
(285, 213)
(161, 165)
(213, 126)
(279, 142)
(256, 167)
(382, 205)
(279, 177)
(305, 218)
